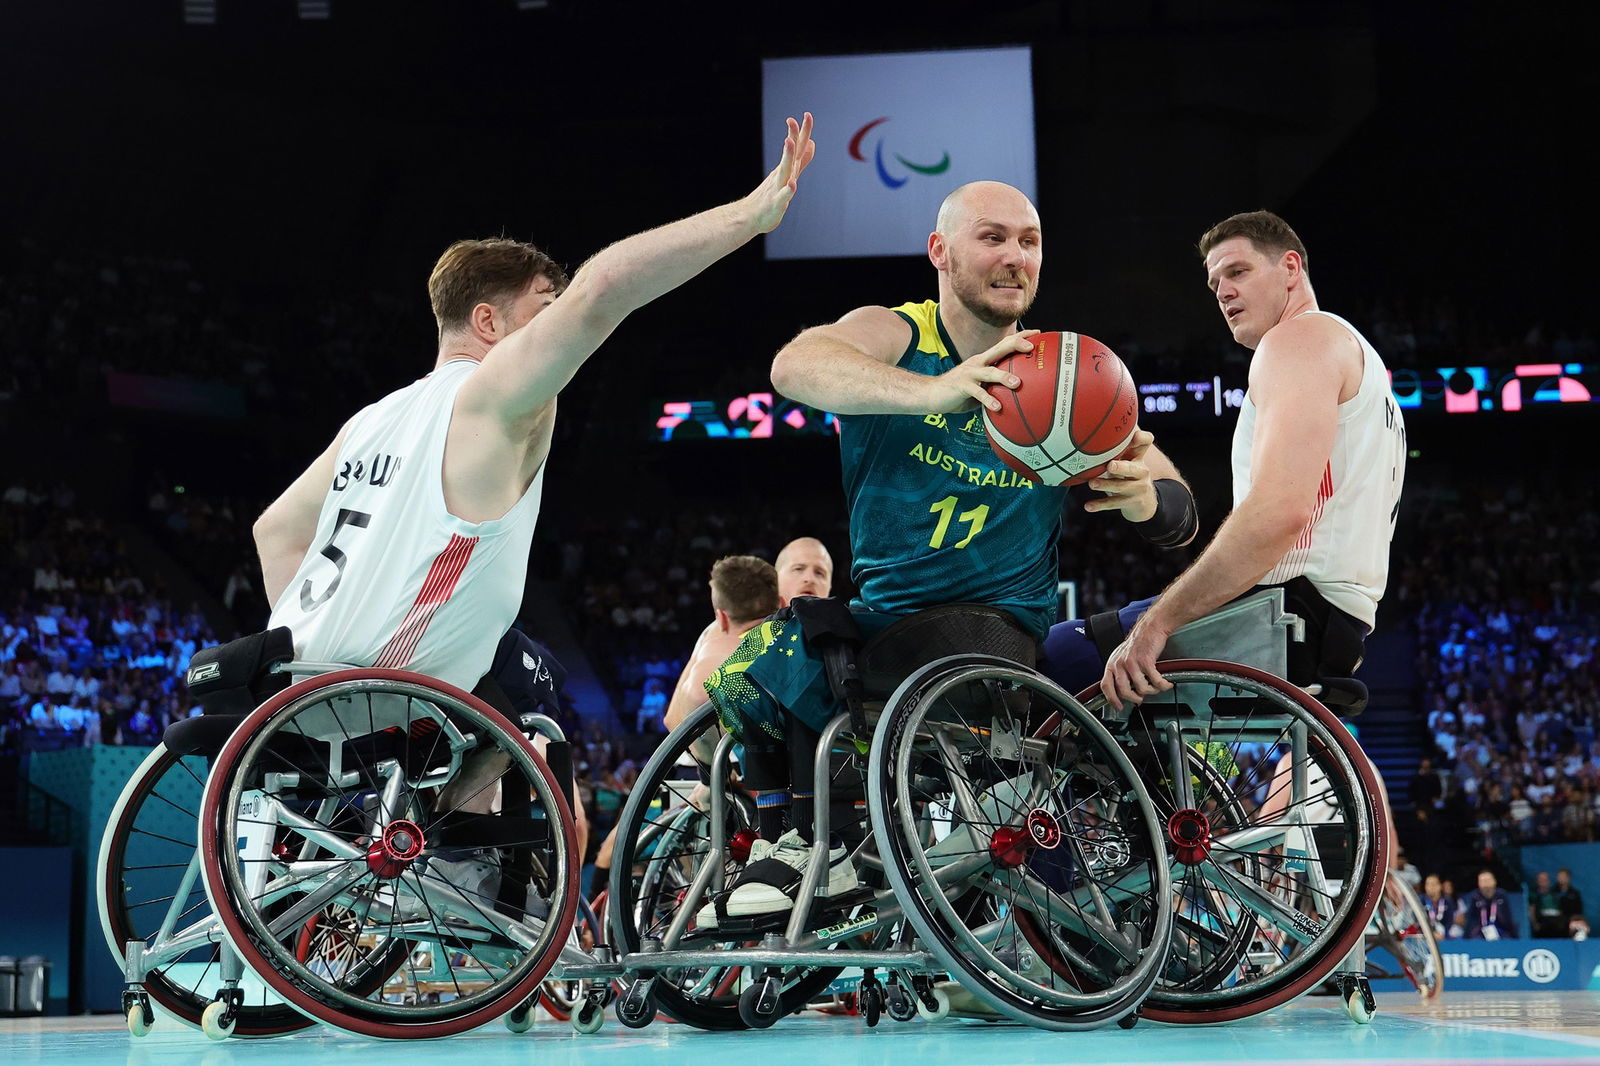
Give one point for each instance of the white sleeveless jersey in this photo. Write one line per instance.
(1344, 548)
(393, 579)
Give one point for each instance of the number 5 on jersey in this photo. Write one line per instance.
(946, 509)
(347, 517)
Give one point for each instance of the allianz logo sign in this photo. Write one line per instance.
(1540, 966)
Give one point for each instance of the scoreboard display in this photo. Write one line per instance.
(1445, 390)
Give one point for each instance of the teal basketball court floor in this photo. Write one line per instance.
(1466, 1028)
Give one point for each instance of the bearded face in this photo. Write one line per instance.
(998, 289)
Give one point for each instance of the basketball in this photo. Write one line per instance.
(1074, 411)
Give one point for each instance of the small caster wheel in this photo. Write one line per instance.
(1128, 1020)
(870, 994)
(899, 1003)
(1355, 1004)
(758, 1004)
(636, 1009)
(588, 1017)
(140, 1020)
(933, 1004)
(217, 1020)
(520, 1020)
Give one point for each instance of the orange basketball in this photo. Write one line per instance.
(1074, 411)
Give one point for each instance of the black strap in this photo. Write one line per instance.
(831, 629)
(774, 872)
(826, 620)
(1176, 520)
(1105, 629)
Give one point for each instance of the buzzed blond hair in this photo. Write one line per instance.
(949, 216)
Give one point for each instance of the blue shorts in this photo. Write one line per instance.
(1071, 659)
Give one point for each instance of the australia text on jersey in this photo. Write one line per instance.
(972, 473)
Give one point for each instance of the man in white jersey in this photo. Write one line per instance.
(405, 544)
(1319, 459)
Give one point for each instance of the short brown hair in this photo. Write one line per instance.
(744, 586)
(493, 271)
(1269, 233)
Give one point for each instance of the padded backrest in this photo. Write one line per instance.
(952, 629)
(232, 678)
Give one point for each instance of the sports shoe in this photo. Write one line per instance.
(769, 880)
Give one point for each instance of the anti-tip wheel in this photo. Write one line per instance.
(588, 1018)
(940, 1008)
(750, 1003)
(635, 1015)
(900, 1003)
(521, 1019)
(216, 1022)
(1355, 1004)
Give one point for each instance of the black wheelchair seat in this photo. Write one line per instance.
(203, 734)
(952, 629)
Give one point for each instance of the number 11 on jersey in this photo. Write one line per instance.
(946, 510)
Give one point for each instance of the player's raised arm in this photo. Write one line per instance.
(524, 372)
(849, 368)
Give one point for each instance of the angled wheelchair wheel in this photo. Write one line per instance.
(390, 854)
(147, 886)
(1274, 833)
(1018, 837)
(1401, 926)
(663, 843)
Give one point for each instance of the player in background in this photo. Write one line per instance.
(740, 600)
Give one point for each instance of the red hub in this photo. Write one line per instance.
(1010, 847)
(1190, 834)
(739, 845)
(391, 856)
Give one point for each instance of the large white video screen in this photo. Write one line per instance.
(895, 133)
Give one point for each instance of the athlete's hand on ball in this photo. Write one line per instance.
(1131, 671)
(1127, 483)
(771, 198)
(962, 386)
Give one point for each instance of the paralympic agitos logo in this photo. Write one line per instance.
(884, 173)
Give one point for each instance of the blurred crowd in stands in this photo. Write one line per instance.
(91, 652)
(100, 608)
(1504, 581)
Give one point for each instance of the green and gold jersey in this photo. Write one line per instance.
(935, 516)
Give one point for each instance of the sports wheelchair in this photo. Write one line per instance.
(1003, 836)
(1043, 851)
(372, 849)
(1274, 824)
(1401, 927)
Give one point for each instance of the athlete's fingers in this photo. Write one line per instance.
(807, 146)
(1124, 470)
(1107, 503)
(1016, 342)
(996, 376)
(1141, 442)
(981, 394)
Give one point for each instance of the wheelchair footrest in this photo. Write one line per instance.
(824, 912)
